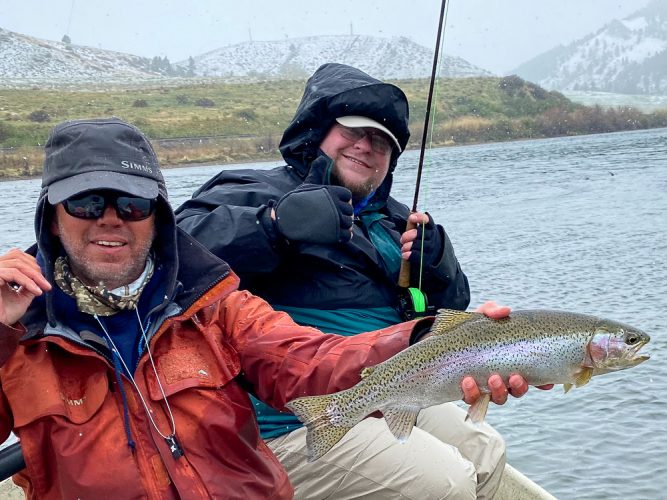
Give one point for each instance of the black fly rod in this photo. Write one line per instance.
(404, 276)
(429, 103)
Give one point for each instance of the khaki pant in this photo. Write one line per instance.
(445, 457)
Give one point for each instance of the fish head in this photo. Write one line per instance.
(615, 346)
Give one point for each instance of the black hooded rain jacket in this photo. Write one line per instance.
(230, 214)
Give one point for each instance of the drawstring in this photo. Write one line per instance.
(117, 369)
(172, 442)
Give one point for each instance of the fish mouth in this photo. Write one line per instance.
(633, 357)
(621, 364)
(635, 360)
(628, 359)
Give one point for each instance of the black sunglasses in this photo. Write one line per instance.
(92, 205)
(379, 141)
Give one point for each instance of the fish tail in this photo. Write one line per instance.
(321, 435)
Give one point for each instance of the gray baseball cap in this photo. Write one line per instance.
(92, 154)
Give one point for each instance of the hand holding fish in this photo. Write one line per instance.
(21, 280)
(544, 347)
(516, 384)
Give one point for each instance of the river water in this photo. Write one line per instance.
(575, 224)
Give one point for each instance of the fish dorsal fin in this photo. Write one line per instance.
(448, 319)
(477, 412)
(583, 377)
(367, 372)
(401, 421)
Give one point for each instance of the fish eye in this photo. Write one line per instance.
(631, 339)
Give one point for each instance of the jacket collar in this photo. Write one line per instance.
(196, 273)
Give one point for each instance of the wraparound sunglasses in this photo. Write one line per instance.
(91, 205)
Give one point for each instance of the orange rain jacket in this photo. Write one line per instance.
(62, 400)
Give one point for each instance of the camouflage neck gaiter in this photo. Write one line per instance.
(98, 299)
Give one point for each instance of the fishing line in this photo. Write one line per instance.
(412, 301)
(429, 102)
(431, 126)
(434, 107)
(69, 21)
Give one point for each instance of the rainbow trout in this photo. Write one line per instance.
(545, 347)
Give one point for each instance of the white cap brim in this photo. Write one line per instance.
(353, 121)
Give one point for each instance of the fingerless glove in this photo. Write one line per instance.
(315, 214)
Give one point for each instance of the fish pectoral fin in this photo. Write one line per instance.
(477, 411)
(448, 319)
(401, 421)
(583, 377)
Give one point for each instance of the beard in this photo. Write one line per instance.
(359, 190)
(110, 274)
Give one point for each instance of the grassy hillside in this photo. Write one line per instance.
(219, 122)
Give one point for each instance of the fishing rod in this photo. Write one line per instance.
(413, 301)
(429, 102)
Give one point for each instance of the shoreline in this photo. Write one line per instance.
(162, 167)
(274, 157)
(248, 158)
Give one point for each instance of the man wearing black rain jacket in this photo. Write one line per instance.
(322, 239)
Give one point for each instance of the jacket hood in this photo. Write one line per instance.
(81, 155)
(337, 90)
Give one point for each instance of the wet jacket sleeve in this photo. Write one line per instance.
(232, 219)
(281, 360)
(9, 339)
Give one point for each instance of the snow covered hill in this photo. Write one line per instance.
(32, 60)
(25, 60)
(384, 58)
(627, 56)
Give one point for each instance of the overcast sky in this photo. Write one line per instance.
(496, 35)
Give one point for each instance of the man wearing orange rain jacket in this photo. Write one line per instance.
(126, 348)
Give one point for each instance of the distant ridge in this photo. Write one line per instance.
(26, 60)
(383, 58)
(626, 57)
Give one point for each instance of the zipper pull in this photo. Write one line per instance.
(174, 446)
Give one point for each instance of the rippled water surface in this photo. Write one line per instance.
(577, 224)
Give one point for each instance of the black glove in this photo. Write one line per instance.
(315, 214)
(433, 240)
(319, 171)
